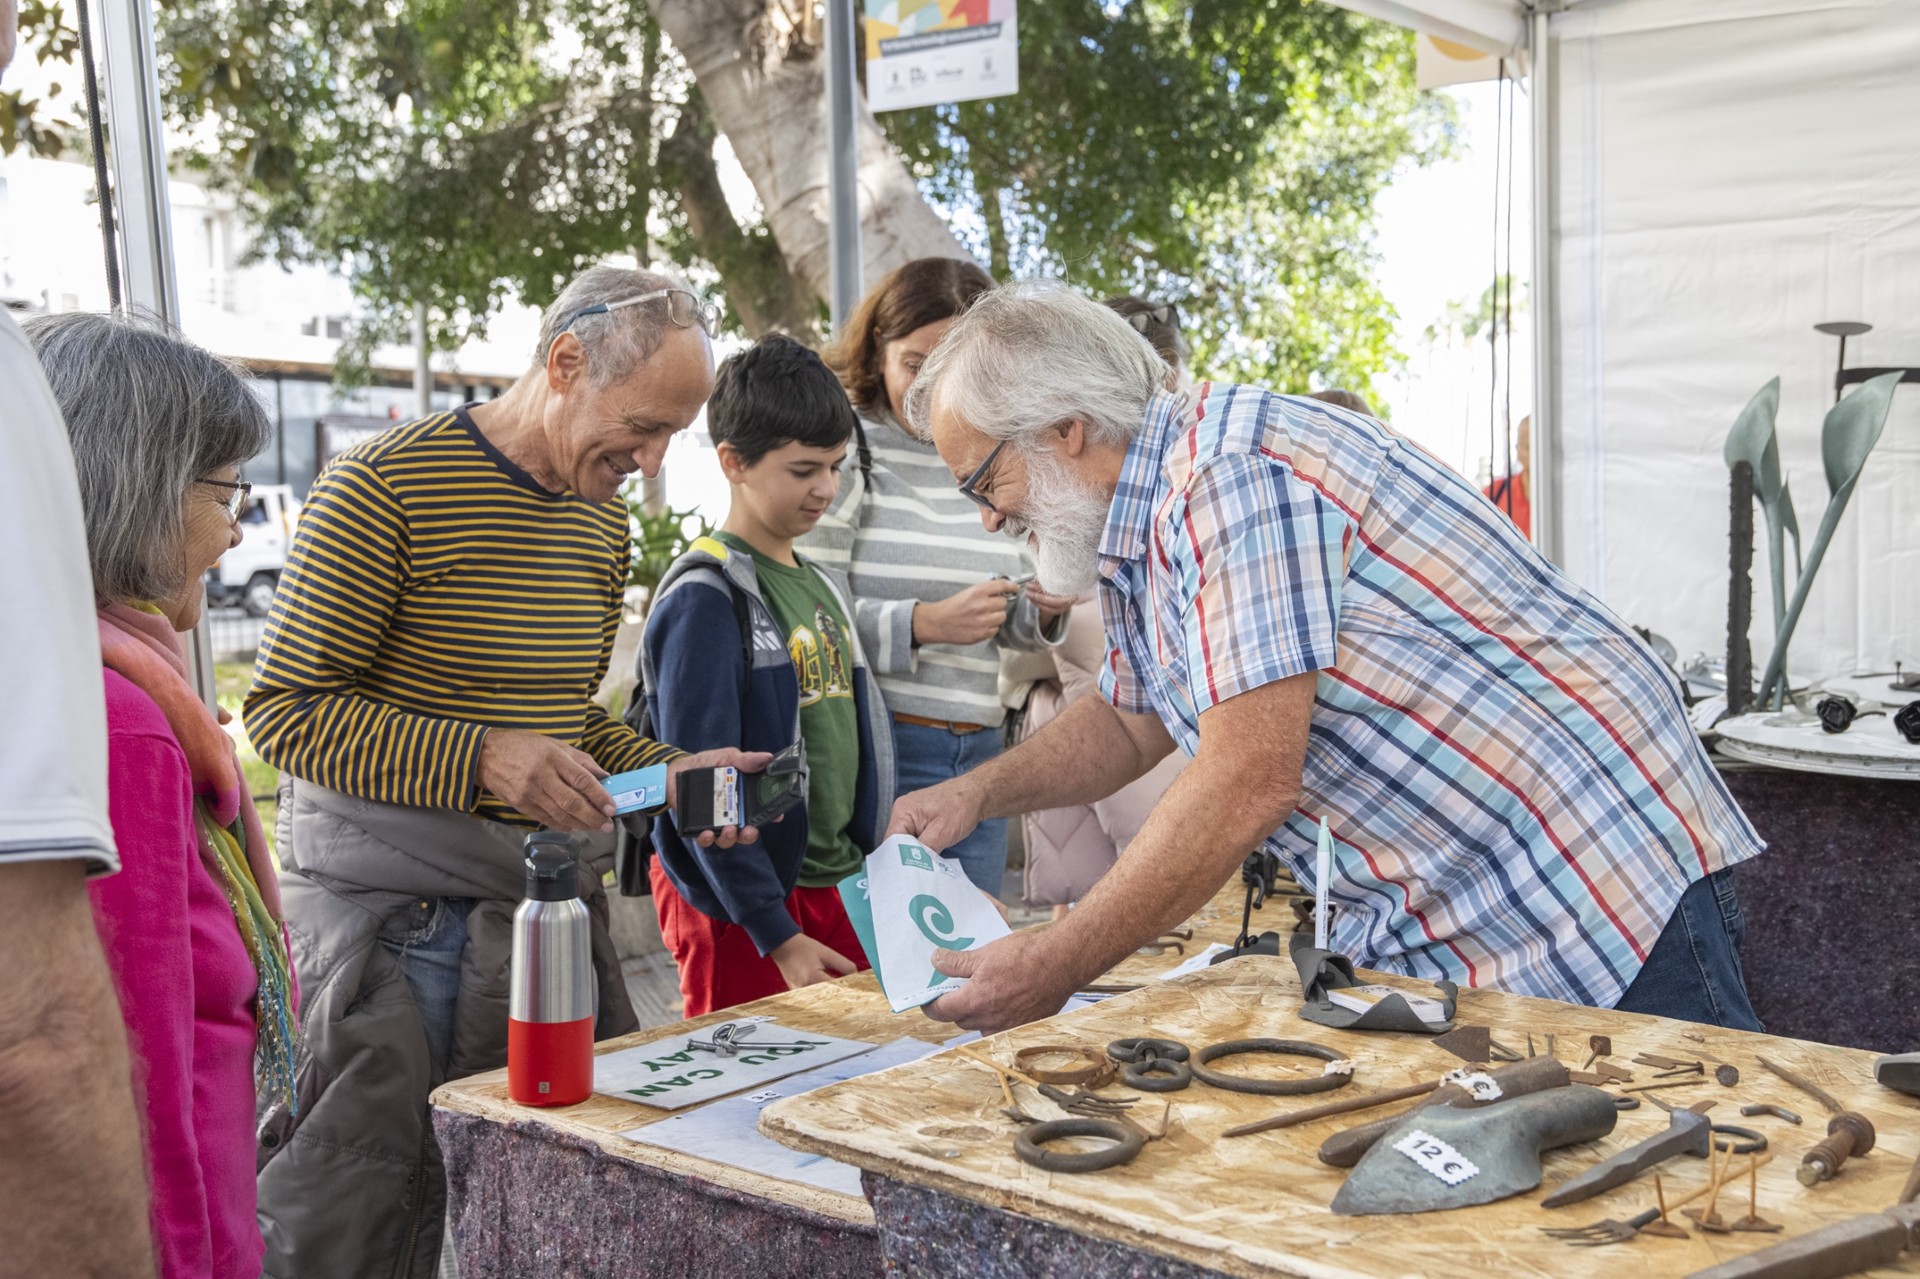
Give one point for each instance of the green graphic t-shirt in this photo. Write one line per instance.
(820, 642)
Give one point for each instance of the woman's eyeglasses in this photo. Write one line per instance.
(1166, 314)
(684, 309)
(240, 493)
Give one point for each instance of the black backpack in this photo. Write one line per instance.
(633, 835)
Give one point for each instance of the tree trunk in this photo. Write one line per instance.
(760, 287)
(766, 87)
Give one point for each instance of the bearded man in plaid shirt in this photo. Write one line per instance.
(1332, 625)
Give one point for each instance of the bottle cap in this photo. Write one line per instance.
(553, 868)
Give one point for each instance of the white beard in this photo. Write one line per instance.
(1066, 519)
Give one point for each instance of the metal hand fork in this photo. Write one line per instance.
(1612, 1230)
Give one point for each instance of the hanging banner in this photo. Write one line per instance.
(924, 52)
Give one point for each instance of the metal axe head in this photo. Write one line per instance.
(1445, 1157)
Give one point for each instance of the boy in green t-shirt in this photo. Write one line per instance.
(747, 922)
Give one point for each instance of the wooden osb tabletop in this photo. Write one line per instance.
(851, 1008)
(1257, 1205)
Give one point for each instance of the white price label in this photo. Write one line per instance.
(1478, 1083)
(1436, 1157)
(769, 1095)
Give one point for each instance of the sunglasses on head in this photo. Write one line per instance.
(684, 309)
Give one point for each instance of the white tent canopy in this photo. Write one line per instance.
(1720, 176)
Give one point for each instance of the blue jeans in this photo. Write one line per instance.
(428, 939)
(928, 756)
(1693, 972)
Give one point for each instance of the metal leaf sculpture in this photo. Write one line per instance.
(1753, 441)
(1851, 430)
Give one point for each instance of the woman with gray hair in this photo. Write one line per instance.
(191, 925)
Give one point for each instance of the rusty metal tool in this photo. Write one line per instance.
(1468, 1043)
(1612, 1230)
(1660, 1227)
(1665, 1063)
(1804, 1084)
(1768, 1108)
(1670, 1083)
(1344, 1148)
(1726, 1076)
(1500, 1051)
(1911, 1191)
(1444, 1157)
(1311, 1113)
(1849, 1133)
(1876, 1239)
(1753, 1222)
(1602, 1047)
(1687, 1134)
(1709, 1218)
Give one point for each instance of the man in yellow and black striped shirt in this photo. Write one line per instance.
(447, 612)
(450, 602)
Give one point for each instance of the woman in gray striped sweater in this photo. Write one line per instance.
(936, 596)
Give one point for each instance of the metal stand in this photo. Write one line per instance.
(843, 163)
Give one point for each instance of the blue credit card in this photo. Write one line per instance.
(639, 790)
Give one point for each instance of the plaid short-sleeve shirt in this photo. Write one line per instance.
(1516, 796)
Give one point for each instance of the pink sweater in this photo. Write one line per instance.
(186, 990)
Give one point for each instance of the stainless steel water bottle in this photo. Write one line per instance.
(550, 1010)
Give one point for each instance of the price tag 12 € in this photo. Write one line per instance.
(1436, 1157)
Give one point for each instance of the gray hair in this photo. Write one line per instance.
(1026, 357)
(148, 413)
(617, 342)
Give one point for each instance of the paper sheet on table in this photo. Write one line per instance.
(669, 1074)
(920, 901)
(728, 1131)
(1194, 962)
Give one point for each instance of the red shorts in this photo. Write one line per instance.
(719, 964)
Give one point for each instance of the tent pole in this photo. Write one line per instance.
(1548, 523)
(138, 152)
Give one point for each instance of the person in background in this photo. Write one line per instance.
(936, 598)
(191, 924)
(1343, 399)
(1509, 491)
(73, 1194)
(1159, 324)
(743, 925)
(426, 682)
(1069, 849)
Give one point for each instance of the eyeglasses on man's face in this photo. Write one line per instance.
(684, 309)
(971, 485)
(239, 494)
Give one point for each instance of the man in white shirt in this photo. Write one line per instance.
(73, 1197)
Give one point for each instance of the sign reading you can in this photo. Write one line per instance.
(671, 1073)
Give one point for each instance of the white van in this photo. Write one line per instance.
(247, 576)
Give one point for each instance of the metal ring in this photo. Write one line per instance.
(1144, 1048)
(1625, 1103)
(1030, 1144)
(1753, 1144)
(1097, 1071)
(1157, 1074)
(1270, 1087)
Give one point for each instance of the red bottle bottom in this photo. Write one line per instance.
(549, 1063)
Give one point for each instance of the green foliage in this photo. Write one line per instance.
(44, 126)
(658, 540)
(448, 151)
(1225, 154)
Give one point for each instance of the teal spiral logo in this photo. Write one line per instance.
(931, 916)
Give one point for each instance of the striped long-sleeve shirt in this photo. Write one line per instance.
(1516, 796)
(433, 591)
(906, 535)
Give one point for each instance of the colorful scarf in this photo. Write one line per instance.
(142, 646)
